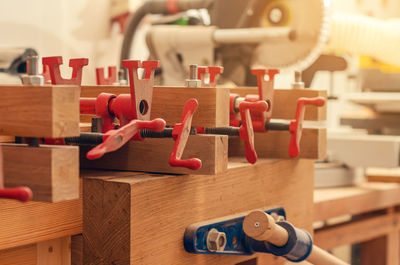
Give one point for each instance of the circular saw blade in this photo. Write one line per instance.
(310, 20)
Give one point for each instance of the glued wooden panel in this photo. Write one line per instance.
(285, 102)
(51, 172)
(31, 222)
(56, 251)
(275, 144)
(39, 111)
(152, 155)
(25, 255)
(138, 218)
(168, 103)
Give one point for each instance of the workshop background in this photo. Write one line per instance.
(347, 183)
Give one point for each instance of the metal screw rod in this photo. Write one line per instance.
(277, 126)
(85, 139)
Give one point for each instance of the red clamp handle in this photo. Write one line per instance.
(213, 72)
(115, 139)
(141, 89)
(296, 125)
(246, 131)
(112, 76)
(53, 63)
(22, 194)
(181, 134)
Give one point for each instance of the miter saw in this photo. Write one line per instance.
(242, 34)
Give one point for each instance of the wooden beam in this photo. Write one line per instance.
(77, 250)
(31, 222)
(137, 218)
(334, 202)
(25, 255)
(275, 144)
(168, 102)
(285, 102)
(152, 155)
(51, 172)
(56, 251)
(39, 111)
(356, 231)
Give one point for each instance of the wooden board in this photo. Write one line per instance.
(152, 155)
(335, 202)
(380, 102)
(168, 102)
(275, 144)
(370, 120)
(285, 102)
(383, 175)
(51, 172)
(28, 223)
(39, 111)
(134, 218)
(51, 252)
(366, 150)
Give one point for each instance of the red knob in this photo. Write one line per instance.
(22, 194)
(181, 134)
(246, 131)
(296, 125)
(115, 139)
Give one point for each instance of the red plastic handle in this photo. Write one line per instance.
(296, 125)
(181, 134)
(246, 131)
(112, 76)
(115, 139)
(54, 63)
(22, 194)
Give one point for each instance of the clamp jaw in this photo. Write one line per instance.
(209, 75)
(53, 65)
(110, 80)
(265, 79)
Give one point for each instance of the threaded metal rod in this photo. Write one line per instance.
(277, 126)
(231, 131)
(85, 139)
(166, 133)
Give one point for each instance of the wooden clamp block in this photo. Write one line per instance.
(39, 111)
(51, 172)
(168, 102)
(275, 144)
(138, 218)
(152, 155)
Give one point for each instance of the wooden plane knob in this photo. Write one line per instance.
(262, 227)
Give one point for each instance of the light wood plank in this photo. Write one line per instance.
(152, 155)
(25, 255)
(51, 172)
(285, 102)
(275, 144)
(134, 218)
(28, 223)
(168, 102)
(39, 111)
(356, 231)
(56, 251)
(334, 202)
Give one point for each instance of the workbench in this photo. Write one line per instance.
(374, 222)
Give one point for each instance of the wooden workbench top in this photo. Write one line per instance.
(335, 202)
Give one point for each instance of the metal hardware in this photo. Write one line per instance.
(193, 80)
